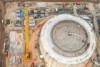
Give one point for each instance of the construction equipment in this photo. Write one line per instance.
(26, 34)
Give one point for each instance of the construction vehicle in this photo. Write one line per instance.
(26, 34)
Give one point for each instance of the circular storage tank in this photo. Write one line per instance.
(67, 40)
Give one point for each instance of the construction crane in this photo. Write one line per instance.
(26, 34)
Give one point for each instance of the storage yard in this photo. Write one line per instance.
(49, 33)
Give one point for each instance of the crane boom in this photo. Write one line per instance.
(26, 34)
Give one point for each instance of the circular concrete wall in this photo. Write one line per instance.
(67, 39)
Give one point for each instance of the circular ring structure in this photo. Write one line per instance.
(48, 45)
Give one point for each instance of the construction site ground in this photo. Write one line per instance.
(10, 15)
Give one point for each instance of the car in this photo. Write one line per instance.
(89, 14)
(32, 23)
(19, 21)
